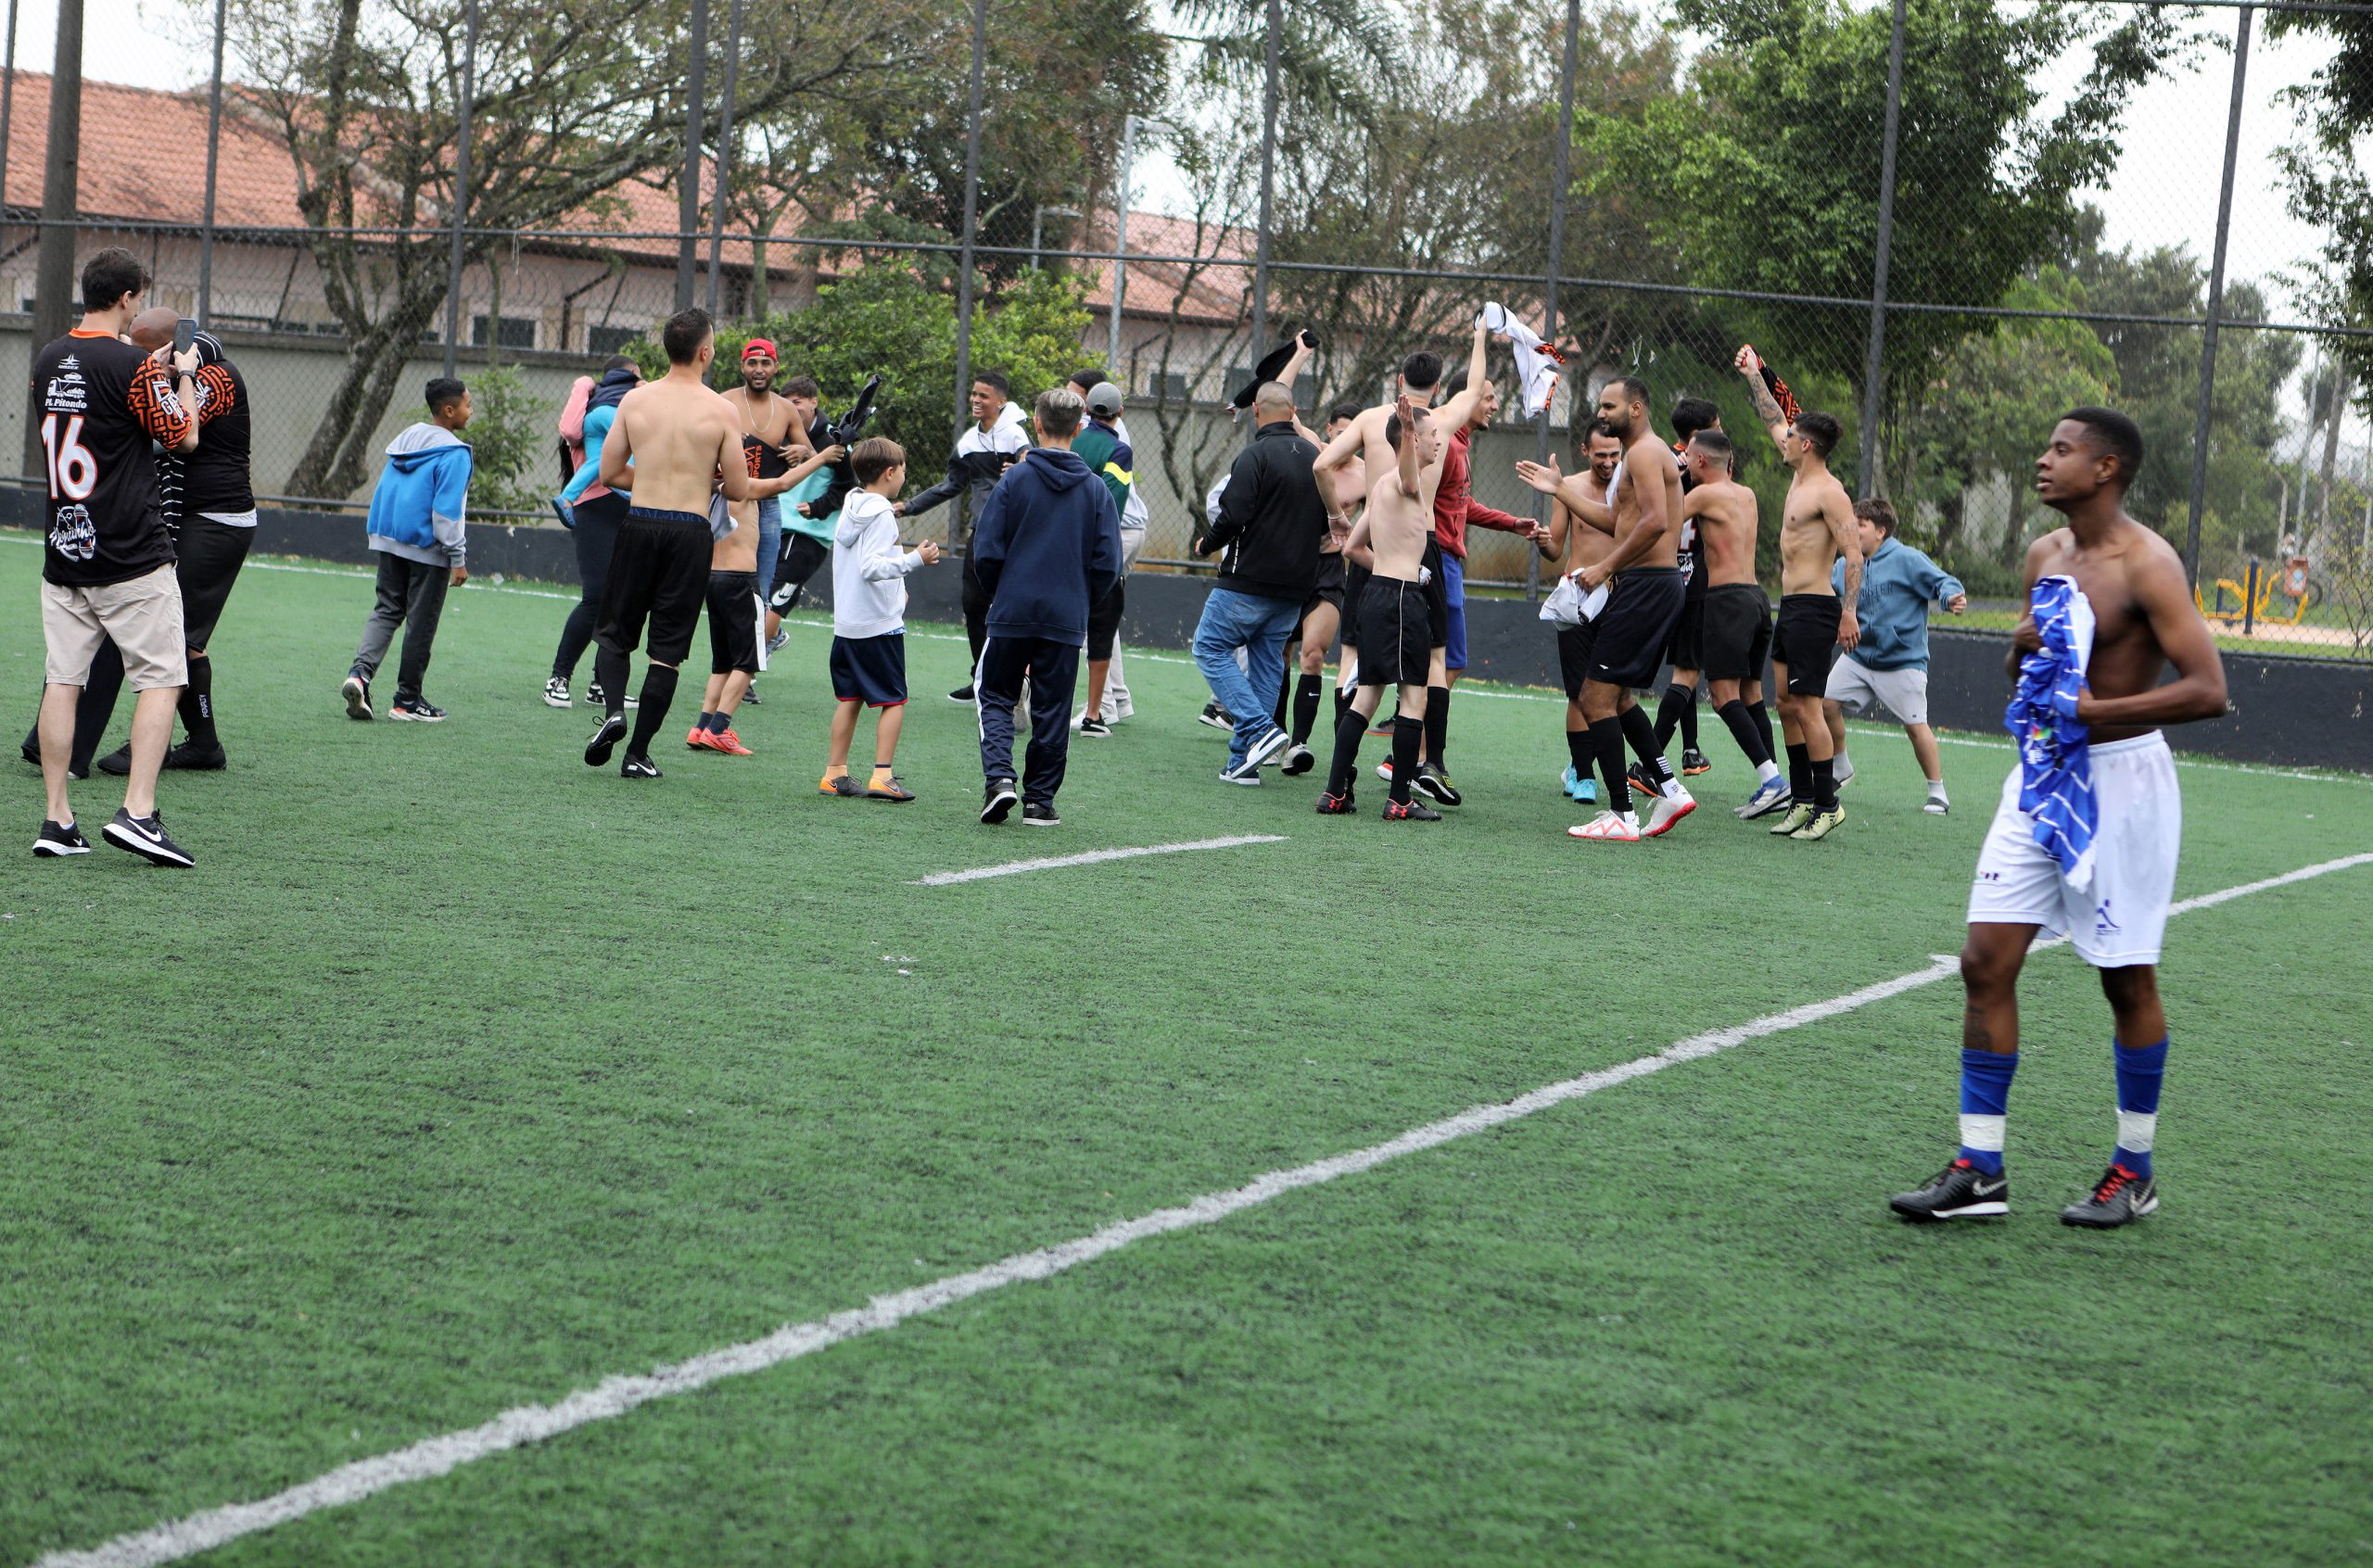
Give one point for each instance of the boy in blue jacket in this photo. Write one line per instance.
(417, 515)
(1889, 666)
(1046, 547)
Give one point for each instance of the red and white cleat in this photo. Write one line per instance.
(1609, 828)
(1667, 810)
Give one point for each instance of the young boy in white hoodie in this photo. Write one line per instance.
(870, 619)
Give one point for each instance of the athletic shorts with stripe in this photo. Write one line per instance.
(2118, 919)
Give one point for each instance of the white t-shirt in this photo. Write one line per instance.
(1135, 514)
(868, 569)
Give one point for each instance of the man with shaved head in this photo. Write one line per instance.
(1267, 535)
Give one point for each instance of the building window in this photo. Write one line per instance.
(606, 340)
(512, 332)
(1167, 386)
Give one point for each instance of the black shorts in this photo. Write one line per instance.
(1328, 589)
(659, 573)
(209, 554)
(1642, 605)
(1685, 648)
(1356, 578)
(612, 504)
(1576, 645)
(1396, 647)
(872, 670)
(800, 558)
(1808, 640)
(733, 622)
(1104, 620)
(1437, 591)
(1738, 632)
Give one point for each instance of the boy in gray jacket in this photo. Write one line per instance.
(1889, 666)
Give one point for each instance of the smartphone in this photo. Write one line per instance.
(183, 330)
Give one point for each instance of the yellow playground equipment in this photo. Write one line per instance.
(2253, 598)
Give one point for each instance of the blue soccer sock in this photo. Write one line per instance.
(1985, 1098)
(2139, 1069)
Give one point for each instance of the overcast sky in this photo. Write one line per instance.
(2164, 191)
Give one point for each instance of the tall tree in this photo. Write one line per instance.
(2325, 168)
(567, 110)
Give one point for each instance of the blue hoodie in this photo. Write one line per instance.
(421, 503)
(1046, 546)
(1898, 585)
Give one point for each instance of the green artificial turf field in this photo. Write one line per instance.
(458, 1076)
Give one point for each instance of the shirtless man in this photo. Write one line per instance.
(1642, 514)
(1736, 622)
(2114, 909)
(1420, 379)
(767, 445)
(1573, 544)
(1389, 542)
(685, 444)
(1327, 611)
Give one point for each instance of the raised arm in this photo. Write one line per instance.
(2198, 691)
(1407, 472)
(1461, 408)
(1838, 514)
(1341, 449)
(1767, 407)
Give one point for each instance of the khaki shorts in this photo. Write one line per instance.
(144, 616)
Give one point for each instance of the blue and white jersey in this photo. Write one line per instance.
(2055, 763)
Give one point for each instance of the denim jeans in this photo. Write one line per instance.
(769, 545)
(1260, 625)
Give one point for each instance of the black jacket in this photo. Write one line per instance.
(974, 468)
(1270, 520)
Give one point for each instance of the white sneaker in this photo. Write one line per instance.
(1667, 810)
(1265, 749)
(1609, 828)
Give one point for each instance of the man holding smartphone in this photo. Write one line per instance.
(107, 568)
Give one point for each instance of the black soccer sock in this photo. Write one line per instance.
(1677, 700)
(1583, 751)
(1825, 784)
(1408, 735)
(658, 690)
(1438, 725)
(1643, 739)
(1688, 720)
(198, 705)
(1742, 727)
(1281, 710)
(1305, 707)
(612, 671)
(1606, 740)
(1761, 712)
(1343, 703)
(1348, 731)
(1800, 772)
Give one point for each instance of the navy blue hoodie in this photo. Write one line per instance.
(1046, 546)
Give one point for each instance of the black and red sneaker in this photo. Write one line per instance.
(1960, 1191)
(2119, 1198)
(1411, 811)
(1337, 805)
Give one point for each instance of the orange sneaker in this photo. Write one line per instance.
(696, 740)
(727, 741)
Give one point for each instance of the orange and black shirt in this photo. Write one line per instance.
(101, 403)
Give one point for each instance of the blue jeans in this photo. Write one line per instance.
(769, 545)
(1260, 625)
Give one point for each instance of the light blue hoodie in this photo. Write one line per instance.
(1898, 584)
(420, 507)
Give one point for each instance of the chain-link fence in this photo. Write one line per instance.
(1942, 220)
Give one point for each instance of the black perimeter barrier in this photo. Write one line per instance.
(2285, 711)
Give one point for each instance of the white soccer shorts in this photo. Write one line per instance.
(2119, 919)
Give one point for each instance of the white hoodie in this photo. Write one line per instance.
(868, 569)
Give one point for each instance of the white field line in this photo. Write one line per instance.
(1015, 867)
(615, 1396)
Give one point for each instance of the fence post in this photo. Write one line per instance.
(53, 290)
(1873, 377)
(2216, 297)
(1563, 176)
(1268, 185)
(971, 217)
(688, 194)
(461, 187)
(724, 154)
(8, 107)
(213, 161)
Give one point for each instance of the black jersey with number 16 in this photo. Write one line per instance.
(101, 403)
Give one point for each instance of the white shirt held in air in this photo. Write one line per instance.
(868, 569)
